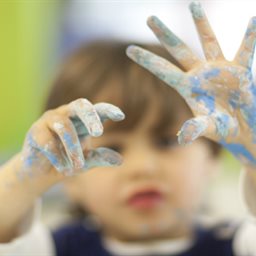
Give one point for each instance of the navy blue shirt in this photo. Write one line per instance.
(75, 240)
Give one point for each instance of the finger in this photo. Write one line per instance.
(177, 48)
(109, 111)
(203, 98)
(160, 67)
(81, 130)
(105, 111)
(195, 128)
(217, 127)
(86, 112)
(68, 136)
(208, 39)
(245, 53)
(49, 149)
(103, 157)
(225, 125)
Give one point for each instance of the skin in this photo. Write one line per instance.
(64, 129)
(220, 93)
(221, 96)
(149, 161)
(56, 147)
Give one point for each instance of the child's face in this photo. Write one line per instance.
(155, 192)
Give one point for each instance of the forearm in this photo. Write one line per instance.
(18, 192)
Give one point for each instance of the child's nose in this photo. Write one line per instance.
(141, 162)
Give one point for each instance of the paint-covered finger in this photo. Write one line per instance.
(208, 39)
(174, 45)
(225, 125)
(194, 128)
(69, 138)
(160, 67)
(109, 111)
(245, 53)
(102, 157)
(81, 130)
(88, 115)
(35, 148)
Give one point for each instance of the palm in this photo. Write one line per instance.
(221, 94)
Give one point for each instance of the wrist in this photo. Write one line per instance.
(36, 179)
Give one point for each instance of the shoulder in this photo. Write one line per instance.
(244, 240)
(75, 239)
(74, 229)
(216, 240)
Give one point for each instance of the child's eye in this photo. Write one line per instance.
(167, 142)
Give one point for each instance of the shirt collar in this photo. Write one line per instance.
(164, 247)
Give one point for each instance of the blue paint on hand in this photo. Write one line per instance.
(224, 89)
(205, 97)
(195, 81)
(222, 125)
(239, 150)
(68, 139)
(212, 73)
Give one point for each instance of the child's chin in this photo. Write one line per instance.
(152, 230)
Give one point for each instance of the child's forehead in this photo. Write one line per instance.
(152, 118)
(144, 101)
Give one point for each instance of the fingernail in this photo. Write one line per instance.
(152, 20)
(183, 139)
(112, 157)
(118, 115)
(131, 50)
(196, 10)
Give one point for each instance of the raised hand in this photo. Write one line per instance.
(54, 141)
(220, 93)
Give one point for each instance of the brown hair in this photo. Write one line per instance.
(104, 66)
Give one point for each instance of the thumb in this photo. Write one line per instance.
(102, 157)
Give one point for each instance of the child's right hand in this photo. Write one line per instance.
(54, 141)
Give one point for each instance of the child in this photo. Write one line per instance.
(147, 204)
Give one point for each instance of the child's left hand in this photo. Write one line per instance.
(220, 93)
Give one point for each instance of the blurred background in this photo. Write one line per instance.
(36, 35)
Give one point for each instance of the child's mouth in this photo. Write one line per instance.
(146, 199)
